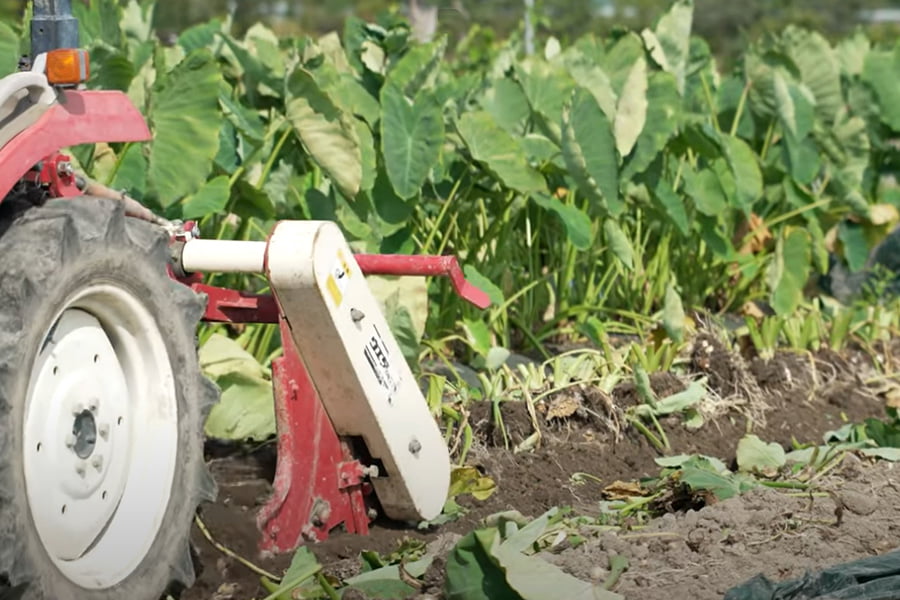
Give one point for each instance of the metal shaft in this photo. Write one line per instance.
(53, 26)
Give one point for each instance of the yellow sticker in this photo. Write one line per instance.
(334, 290)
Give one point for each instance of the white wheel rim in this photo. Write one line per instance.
(100, 438)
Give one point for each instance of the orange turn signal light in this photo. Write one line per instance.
(67, 66)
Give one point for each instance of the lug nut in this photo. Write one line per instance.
(97, 462)
(93, 406)
(70, 440)
(80, 468)
(357, 315)
(103, 430)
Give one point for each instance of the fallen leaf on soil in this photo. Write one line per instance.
(623, 490)
(563, 406)
(468, 480)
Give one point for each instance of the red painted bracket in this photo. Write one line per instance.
(448, 266)
(318, 483)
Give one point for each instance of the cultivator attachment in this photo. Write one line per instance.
(350, 415)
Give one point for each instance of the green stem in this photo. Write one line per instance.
(267, 168)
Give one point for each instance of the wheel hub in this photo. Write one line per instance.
(85, 431)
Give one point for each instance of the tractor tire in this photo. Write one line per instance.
(102, 406)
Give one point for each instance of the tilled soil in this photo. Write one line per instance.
(687, 555)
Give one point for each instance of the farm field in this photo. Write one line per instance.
(689, 373)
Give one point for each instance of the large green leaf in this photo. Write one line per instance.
(705, 189)
(547, 87)
(210, 199)
(819, 69)
(590, 152)
(671, 40)
(245, 409)
(185, 118)
(880, 71)
(631, 112)
(577, 224)
(327, 133)
(9, 50)
(418, 67)
(591, 76)
(744, 165)
(663, 117)
(789, 271)
(851, 53)
(411, 137)
(507, 103)
(499, 152)
(756, 456)
(673, 205)
(98, 21)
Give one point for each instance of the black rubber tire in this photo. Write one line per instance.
(47, 254)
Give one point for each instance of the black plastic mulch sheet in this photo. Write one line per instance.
(875, 578)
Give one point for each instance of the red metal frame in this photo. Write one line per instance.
(319, 485)
(80, 117)
(448, 266)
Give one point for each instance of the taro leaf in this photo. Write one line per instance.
(132, 172)
(792, 105)
(199, 36)
(9, 50)
(756, 456)
(662, 122)
(499, 152)
(590, 152)
(479, 335)
(185, 121)
(98, 21)
(355, 99)
(478, 280)
(546, 87)
(411, 138)
(507, 103)
(619, 59)
(244, 119)
(404, 302)
(110, 69)
(789, 271)
(418, 68)
(742, 162)
(673, 204)
(722, 485)
(631, 112)
(594, 79)
(819, 69)
(684, 460)
(619, 243)
(472, 573)
(298, 580)
(676, 403)
(210, 199)
(851, 53)
(245, 409)
(577, 224)
(327, 133)
(880, 72)
(384, 582)
(251, 201)
(469, 480)
(673, 35)
(540, 149)
(368, 155)
(673, 314)
(705, 189)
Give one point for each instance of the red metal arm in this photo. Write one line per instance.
(448, 266)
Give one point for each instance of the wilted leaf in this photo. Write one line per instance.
(468, 480)
(756, 456)
(623, 490)
(590, 152)
(411, 138)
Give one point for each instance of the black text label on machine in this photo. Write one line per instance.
(379, 359)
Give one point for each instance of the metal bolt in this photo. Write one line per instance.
(372, 514)
(93, 406)
(97, 462)
(415, 447)
(357, 315)
(372, 471)
(80, 468)
(64, 168)
(103, 430)
(70, 440)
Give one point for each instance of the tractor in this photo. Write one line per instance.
(102, 400)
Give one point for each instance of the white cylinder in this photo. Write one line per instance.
(223, 256)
